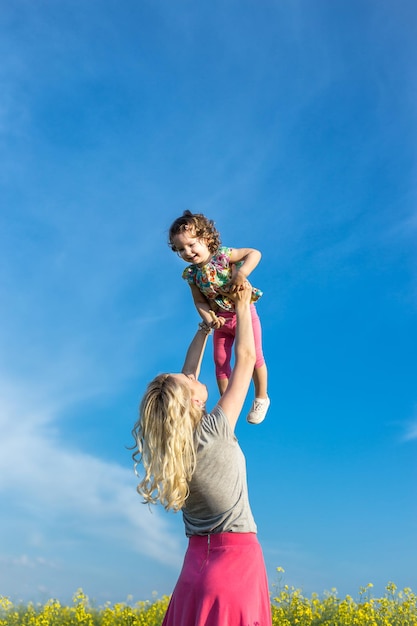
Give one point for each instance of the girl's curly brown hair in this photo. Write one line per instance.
(197, 225)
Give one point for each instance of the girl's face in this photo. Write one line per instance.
(191, 249)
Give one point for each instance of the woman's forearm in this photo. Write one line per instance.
(244, 339)
(195, 352)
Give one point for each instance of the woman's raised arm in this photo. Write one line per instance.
(195, 352)
(234, 397)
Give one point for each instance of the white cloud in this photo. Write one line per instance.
(51, 489)
(26, 562)
(411, 431)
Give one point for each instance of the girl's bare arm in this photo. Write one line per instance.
(250, 258)
(204, 309)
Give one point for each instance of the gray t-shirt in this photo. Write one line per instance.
(218, 501)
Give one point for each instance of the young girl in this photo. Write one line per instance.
(214, 272)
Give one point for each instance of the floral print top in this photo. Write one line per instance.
(214, 275)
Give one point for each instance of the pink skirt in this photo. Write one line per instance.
(222, 583)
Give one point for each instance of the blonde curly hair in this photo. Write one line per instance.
(165, 442)
(198, 225)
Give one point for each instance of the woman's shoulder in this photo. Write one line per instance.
(216, 423)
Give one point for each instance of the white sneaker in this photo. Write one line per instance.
(258, 411)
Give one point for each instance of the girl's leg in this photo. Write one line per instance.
(260, 381)
(223, 339)
(222, 385)
(260, 376)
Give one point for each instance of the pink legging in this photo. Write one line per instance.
(224, 337)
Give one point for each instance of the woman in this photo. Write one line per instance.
(193, 463)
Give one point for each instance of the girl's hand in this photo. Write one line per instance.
(221, 322)
(216, 322)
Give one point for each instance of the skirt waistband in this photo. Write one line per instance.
(222, 539)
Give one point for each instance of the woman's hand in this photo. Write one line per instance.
(242, 295)
(237, 280)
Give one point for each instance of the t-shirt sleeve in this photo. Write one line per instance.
(217, 424)
(188, 275)
(225, 252)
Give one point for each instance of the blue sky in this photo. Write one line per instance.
(293, 126)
